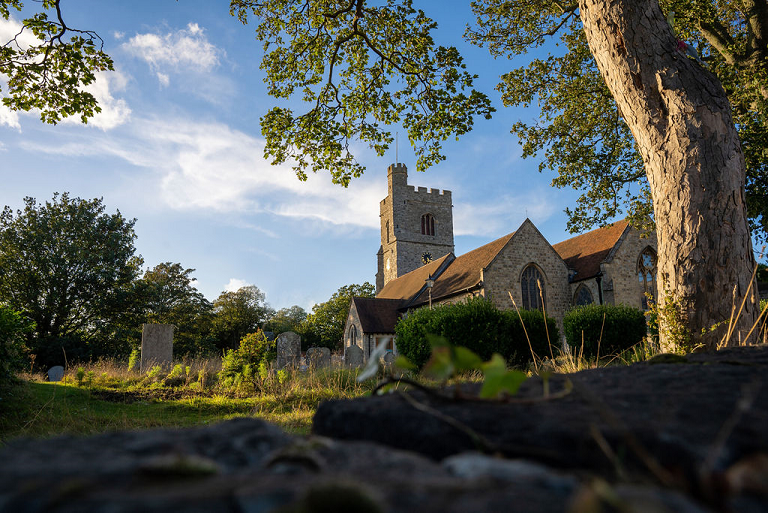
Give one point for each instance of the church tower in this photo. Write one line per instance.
(416, 226)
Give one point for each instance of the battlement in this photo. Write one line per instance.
(430, 192)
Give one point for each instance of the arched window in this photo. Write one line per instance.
(583, 296)
(646, 273)
(353, 335)
(534, 289)
(427, 224)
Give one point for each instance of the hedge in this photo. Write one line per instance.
(624, 327)
(479, 326)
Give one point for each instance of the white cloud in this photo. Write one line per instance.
(114, 111)
(9, 117)
(9, 29)
(118, 35)
(186, 49)
(164, 79)
(235, 284)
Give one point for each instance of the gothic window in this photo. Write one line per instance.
(534, 289)
(583, 296)
(427, 224)
(387, 232)
(352, 335)
(646, 273)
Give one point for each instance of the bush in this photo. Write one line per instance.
(624, 327)
(13, 326)
(243, 363)
(479, 326)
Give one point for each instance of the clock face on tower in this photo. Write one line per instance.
(426, 257)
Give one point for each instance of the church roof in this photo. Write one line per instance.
(584, 253)
(377, 315)
(408, 285)
(458, 274)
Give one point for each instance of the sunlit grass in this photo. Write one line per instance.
(106, 396)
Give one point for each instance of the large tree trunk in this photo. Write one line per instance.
(681, 120)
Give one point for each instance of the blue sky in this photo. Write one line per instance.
(178, 147)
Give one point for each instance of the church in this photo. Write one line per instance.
(417, 266)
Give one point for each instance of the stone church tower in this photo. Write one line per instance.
(416, 226)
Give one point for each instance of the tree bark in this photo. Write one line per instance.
(681, 119)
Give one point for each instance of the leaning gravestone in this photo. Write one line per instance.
(156, 346)
(288, 350)
(318, 357)
(55, 373)
(353, 356)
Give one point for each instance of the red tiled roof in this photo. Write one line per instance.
(461, 274)
(407, 285)
(584, 253)
(377, 315)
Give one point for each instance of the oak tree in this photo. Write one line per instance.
(67, 266)
(238, 313)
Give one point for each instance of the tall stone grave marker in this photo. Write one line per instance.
(156, 346)
(318, 357)
(288, 350)
(353, 356)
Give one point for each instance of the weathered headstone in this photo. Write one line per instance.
(55, 373)
(388, 358)
(353, 356)
(156, 346)
(318, 357)
(288, 350)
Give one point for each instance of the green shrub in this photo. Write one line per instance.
(624, 327)
(13, 326)
(243, 364)
(480, 327)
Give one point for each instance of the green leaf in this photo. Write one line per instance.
(404, 363)
(465, 360)
(498, 379)
(440, 366)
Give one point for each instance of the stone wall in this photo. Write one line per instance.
(620, 281)
(400, 213)
(503, 275)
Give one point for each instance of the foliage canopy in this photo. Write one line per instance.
(68, 266)
(51, 75)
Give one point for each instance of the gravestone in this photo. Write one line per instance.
(55, 373)
(156, 346)
(318, 357)
(388, 358)
(353, 356)
(288, 350)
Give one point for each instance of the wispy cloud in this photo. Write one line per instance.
(186, 49)
(212, 167)
(502, 214)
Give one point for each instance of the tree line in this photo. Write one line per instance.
(70, 271)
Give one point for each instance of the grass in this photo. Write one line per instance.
(107, 397)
